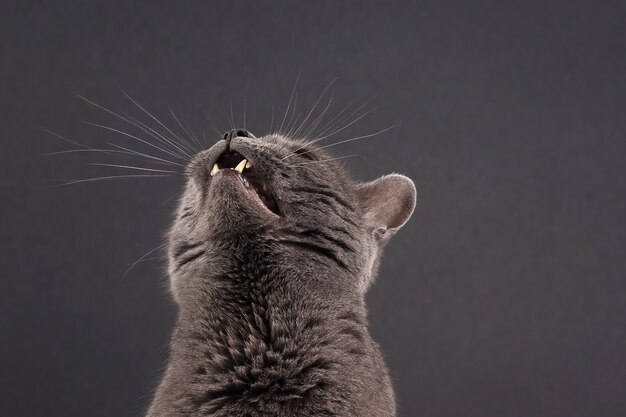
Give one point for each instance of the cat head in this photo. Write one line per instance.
(286, 203)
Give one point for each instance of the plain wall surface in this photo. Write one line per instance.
(504, 295)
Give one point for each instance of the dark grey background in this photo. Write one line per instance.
(503, 296)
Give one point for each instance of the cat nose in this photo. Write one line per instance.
(233, 133)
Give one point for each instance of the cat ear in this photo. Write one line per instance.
(387, 203)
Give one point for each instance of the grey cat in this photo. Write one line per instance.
(270, 256)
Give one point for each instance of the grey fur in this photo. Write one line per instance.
(272, 318)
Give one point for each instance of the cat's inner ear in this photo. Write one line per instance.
(387, 203)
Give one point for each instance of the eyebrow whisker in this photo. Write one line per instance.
(319, 118)
(342, 117)
(295, 84)
(352, 139)
(314, 106)
(346, 126)
(332, 125)
(272, 121)
(289, 124)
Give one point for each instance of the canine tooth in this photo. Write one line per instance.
(239, 168)
(248, 164)
(215, 169)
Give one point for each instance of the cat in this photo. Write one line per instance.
(269, 259)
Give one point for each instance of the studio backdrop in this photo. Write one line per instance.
(504, 295)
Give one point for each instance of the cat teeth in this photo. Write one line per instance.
(243, 164)
(240, 167)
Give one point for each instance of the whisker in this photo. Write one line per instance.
(311, 170)
(119, 117)
(86, 150)
(133, 152)
(292, 126)
(245, 104)
(339, 116)
(289, 104)
(206, 115)
(121, 132)
(326, 160)
(319, 118)
(352, 139)
(64, 138)
(143, 258)
(327, 126)
(178, 147)
(314, 106)
(232, 116)
(188, 129)
(115, 151)
(154, 258)
(111, 177)
(123, 150)
(189, 133)
(313, 126)
(347, 125)
(293, 112)
(130, 167)
(150, 114)
(169, 199)
(331, 134)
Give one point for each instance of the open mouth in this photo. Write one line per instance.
(250, 177)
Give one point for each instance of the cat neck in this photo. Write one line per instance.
(273, 309)
(267, 335)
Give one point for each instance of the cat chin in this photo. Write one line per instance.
(235, 194)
